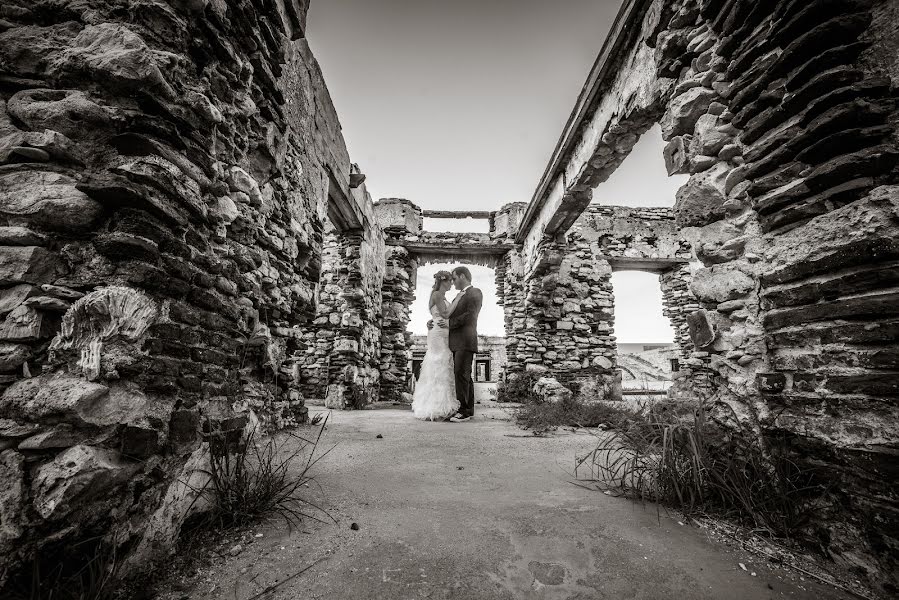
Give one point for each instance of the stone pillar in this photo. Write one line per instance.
(511, 296)
(396, 340)
(568, 320)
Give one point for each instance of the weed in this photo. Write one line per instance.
(80, 570)
(696, 466)
(541, 417)
(258, 480)
(518, 387)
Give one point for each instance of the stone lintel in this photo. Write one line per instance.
(650, 265)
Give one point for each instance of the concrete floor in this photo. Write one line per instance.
(480, 510)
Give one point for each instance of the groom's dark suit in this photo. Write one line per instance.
(463, 342)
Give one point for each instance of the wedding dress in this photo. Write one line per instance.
(435, 393)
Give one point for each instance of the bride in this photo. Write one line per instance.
(435, 393)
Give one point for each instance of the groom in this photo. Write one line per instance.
(463, 340)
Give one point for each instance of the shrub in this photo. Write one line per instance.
(519, 387)
(257, 480)
(688, 463)
(541, 417)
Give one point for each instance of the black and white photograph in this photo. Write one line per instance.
(467, 300)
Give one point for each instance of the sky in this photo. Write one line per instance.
(458, 106)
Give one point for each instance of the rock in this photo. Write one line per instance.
(235, 550)
(13, 430)
(702, 331)
(114, 54)
(70, 112)
(14, 296)
(37, 146)
(48, 200)
(684, 110)
(24, 324)
(118, 245)
(355, 526)
(62, 292)
(14, 235)
(707, 138)
(27, 264)
(844, 237)
(602, 362)
(720, 283)
(12, 356)
(58, 396)
(48, 303)
(59, 436)
(548, 389)
(241, 181)
(75, 477)
(224, 210)
(677, 157)
(12, 500)
(700, 201)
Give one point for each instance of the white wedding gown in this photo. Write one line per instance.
(435, 393)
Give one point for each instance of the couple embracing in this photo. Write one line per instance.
(445, 390)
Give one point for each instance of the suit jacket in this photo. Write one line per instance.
(463, 323)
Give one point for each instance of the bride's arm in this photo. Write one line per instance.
(453, 306)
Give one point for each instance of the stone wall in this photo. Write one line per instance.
(569, 309)
(164, 187)
(784, 115)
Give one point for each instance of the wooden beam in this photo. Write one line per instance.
(343, 211)
(457, 214)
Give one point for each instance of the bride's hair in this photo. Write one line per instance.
(440, 277)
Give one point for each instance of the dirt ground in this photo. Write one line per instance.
(471, 511)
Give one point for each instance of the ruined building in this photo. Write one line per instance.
(186, 246)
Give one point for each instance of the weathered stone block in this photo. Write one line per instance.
(702, 331)
(27, 264)
(77, 476)
(684, 110)
(700, 201)
(720, 283)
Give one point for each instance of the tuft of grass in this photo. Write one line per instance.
(519, 387)
(689, 463)
(80, 570)
(261, 479)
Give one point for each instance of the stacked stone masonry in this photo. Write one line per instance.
(163, 189)
(783, 114)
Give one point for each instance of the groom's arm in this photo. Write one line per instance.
(469, 313)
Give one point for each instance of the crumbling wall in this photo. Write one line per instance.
(784, 114)
(163, 188)
(569, 307)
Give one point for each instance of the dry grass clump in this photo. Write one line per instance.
(542, 417)
(67, 570)
(686, 462)
(260, 480)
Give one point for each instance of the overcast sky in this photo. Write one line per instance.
(458, 106)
